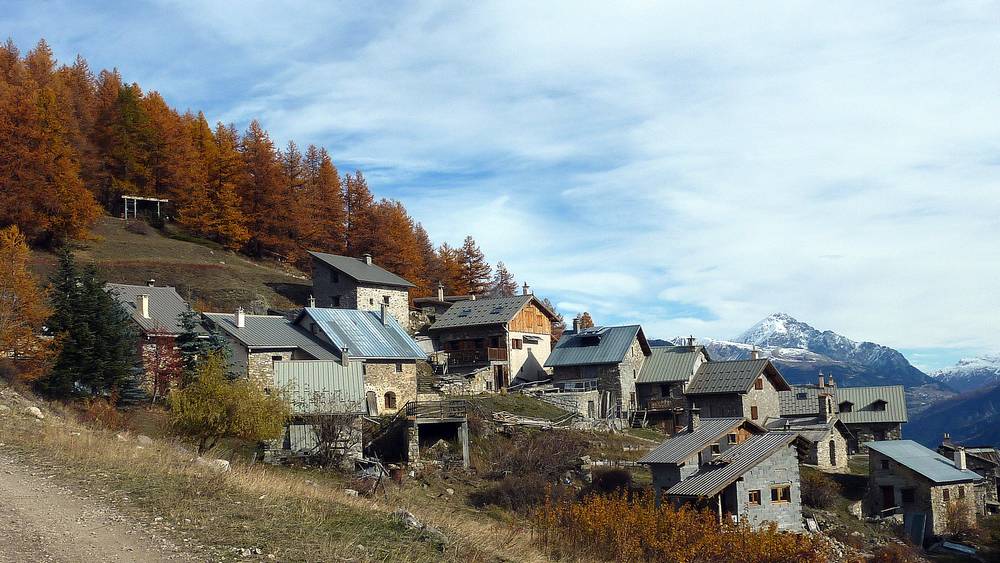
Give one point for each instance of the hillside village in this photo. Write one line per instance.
(400, 378)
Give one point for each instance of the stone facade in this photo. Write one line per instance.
(336, 290)
(260, 366)
(764, 401)
(916, 494)
(780, 469)
(873, 432)
(398, 378)
(819, 451)
(617, 380)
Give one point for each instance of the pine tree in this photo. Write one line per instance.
(504, 284)
(585, 321)
(23, 310)
(195, 345)
(476, 271)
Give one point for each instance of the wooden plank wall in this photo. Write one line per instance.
(531, 319)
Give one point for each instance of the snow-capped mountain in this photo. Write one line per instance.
(971, 373)
(803, 352)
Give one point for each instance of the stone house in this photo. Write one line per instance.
(259, 341)
(436, 305)
(156, 313)
(512, 336)
(602, 359)
(983, 460)
(746, 474)
(743, 388)
(870, 413)
(387, 353)
(662, 381)
(825, 434)
(936, 495)
(342, 282)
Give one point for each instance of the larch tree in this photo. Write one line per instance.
(266, 198)
(359, 223)
(504, 284)
(228, 224)
(23, 309)
(430, 277)
(395, 246)
(476, 271)
(449, 270)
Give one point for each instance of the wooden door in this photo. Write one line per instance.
(888, 496)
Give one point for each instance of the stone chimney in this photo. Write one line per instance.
(754, 354)
(821, 381)
(440, 291)
(947, 438)
(345, 358)
(960, 458)
(691, 341)
(525, 289)
(576, 323)
(830, 382)
(384, 314)
(150, 283)
(142, 303)
(825, 406)
(241, 318)
(367, 258)
(312, 301)
(694, 418)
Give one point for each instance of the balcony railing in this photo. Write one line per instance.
(478, 356)
(666, 403)
(453, 408)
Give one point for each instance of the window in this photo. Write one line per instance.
(399, 367)
(759, 384)
(515, 343)
(885, 464)
(781, 493)
(908, 495)
(385, 299)
(946, 495)
(715, 449)
(336, 301)
(879, 405)
(846, 406)
(276, 358)
(371, 300)
(732, 440)
(390, 400)
(664, 389)
(754, 497)
(801, 396)
(961, 492)
(753, 412)
(335, 277)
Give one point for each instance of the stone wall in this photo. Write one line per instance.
(328, 284)
(628, 371)
(260, 367)
(780, 468)
(871, 433)
(819, 452)
(371, 297)
(585, 403)
(395, 377)
(766, 401)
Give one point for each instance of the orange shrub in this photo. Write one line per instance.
(617, 528)
(102, 413)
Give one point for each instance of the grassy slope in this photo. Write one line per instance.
(214, 279)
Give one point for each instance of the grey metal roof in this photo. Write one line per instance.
(811, 428)
(363, 333)
(678, 448)
(986, 454)
(802, 400)
(321, 386)
(596, 345)
(478, 312)
(924, 461)
(271, 331)
(165, 306)
(357, 269)
(667, 364)
(732, 465)
(734, 376)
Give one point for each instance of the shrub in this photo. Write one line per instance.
(610, 480)
(102, 413)
(213, 407)
(513, 493)
(819, 490)
(896, 553)
(616, 528)
(547, 454)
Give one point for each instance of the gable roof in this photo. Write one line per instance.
(923, 461)
(736, 376)
(811, 428)
(321, 386)
(984, 453)
(363, 333)
(683, 445)
(802, 400)
(165, 307)
(612, 344)
(359, 271)
(732, 465)
(271, 331)
(669, 364)
(487, 311)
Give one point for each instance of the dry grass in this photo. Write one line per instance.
(295, 515)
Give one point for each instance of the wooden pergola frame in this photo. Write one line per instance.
(135, 204)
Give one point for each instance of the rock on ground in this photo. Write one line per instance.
(35, 412)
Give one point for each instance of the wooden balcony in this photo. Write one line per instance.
(436, 410)
(474, 357)
(666, 404)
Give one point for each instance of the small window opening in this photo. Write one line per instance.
(390, 400)
(755, 497)
(781, 493)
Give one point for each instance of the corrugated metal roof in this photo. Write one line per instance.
(165, 306)
(734, 376)
(364, 334)
(986, 454)
(357, 269)
(682, 446)
(596, 345)
(271, 331)
(732, 464)
(924, 461)
(811, 428)
(477, 312)
(802, 400)
(669, 364)
(321, 386)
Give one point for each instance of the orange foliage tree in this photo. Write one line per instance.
(23, 310)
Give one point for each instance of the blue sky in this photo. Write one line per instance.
(690, 166)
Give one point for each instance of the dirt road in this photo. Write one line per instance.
(43, 521)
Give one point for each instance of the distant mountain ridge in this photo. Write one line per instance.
(971, 373)
(972, 419)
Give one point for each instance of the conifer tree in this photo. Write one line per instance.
(430, 277)
(449, 270)
(23, 309)
(195, 344)
(265, 196)
(476, 270)
(359, 222)
(504, 284)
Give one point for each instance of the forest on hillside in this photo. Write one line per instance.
(72, 142)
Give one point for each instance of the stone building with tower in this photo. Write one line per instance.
(342, 282)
